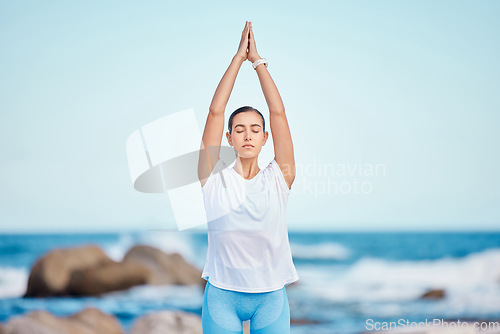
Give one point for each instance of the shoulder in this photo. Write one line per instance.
(219, 168)
(278, 173)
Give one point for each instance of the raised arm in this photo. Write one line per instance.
(282, 139)
(214, 126)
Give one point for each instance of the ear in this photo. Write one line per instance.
(228, 136)
(266, 136)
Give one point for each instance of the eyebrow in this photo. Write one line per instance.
(244, 125)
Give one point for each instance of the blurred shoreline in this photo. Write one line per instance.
(345, 277)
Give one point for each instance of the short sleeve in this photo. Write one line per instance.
(279, 176)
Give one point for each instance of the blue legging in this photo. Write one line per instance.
(224, 311)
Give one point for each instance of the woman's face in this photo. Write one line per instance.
(247, 135)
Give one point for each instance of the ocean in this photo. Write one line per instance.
(347, 280)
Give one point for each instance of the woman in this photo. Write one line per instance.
(248, 262)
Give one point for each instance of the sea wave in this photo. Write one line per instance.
(13, 282)
(471, 283)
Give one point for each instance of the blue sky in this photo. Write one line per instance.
(408, 87)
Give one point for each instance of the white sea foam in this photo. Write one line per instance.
(327, 250)
(472, 283)
(117, 250)
(13, 282)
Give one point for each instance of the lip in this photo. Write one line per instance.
(248, 145)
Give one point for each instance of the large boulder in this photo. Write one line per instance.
(171, 322)
(51, 273)
(87, 321)
(87, 270)
(165, 268)
(107, 278)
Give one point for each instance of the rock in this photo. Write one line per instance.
(85, 270)
(88, 321)
(1, 329)
(98, 321)
(434, 294)
(165, 268)
(51, 273)
(171, 322)
(107, 278)
(21, 325)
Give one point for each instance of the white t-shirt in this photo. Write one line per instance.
(248, 246)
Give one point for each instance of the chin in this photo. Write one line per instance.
(248, 155)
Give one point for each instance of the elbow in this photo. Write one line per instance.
(277, 111)
(216, 111)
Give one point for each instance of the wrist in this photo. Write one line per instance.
(239, 58)
(259, 62)
(253, 59)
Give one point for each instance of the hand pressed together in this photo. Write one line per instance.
(247, 48)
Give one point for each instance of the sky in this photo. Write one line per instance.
(392, 105)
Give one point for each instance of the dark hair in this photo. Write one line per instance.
(243, 109)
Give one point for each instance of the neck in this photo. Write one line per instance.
(247, 167)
